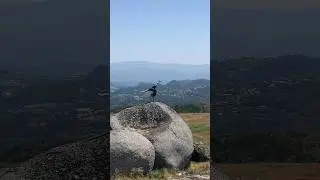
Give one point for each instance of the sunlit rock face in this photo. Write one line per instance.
(164, 128)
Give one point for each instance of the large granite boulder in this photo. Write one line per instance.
(87, 159)
(164, 128)
(148, 137)
(130, 150)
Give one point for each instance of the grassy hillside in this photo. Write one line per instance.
(199, 124)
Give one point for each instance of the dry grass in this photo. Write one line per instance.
(199, 168)
(272, 171)
(199, 124)
(156, 174)
(193, 169)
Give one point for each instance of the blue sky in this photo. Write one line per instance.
(267, 5)
(165, 31)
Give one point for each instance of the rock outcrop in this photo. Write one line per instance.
(130, 150)
(164, 128)
(149, 136)
(86, 159)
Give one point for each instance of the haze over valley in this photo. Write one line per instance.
(134, 72)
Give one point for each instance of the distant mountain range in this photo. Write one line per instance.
(132, 73)
(66, 37)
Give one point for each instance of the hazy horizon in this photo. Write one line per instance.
(173, 63)
(160, 31)
(280, 5)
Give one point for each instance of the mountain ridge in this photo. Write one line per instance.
(175, 92)
(132, 73)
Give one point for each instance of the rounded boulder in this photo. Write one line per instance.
(164, 128)
(130, 150)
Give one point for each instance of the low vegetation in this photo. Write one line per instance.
(202, 168)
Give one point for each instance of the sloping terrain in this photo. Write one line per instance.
(266, 109)
(263, 95)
